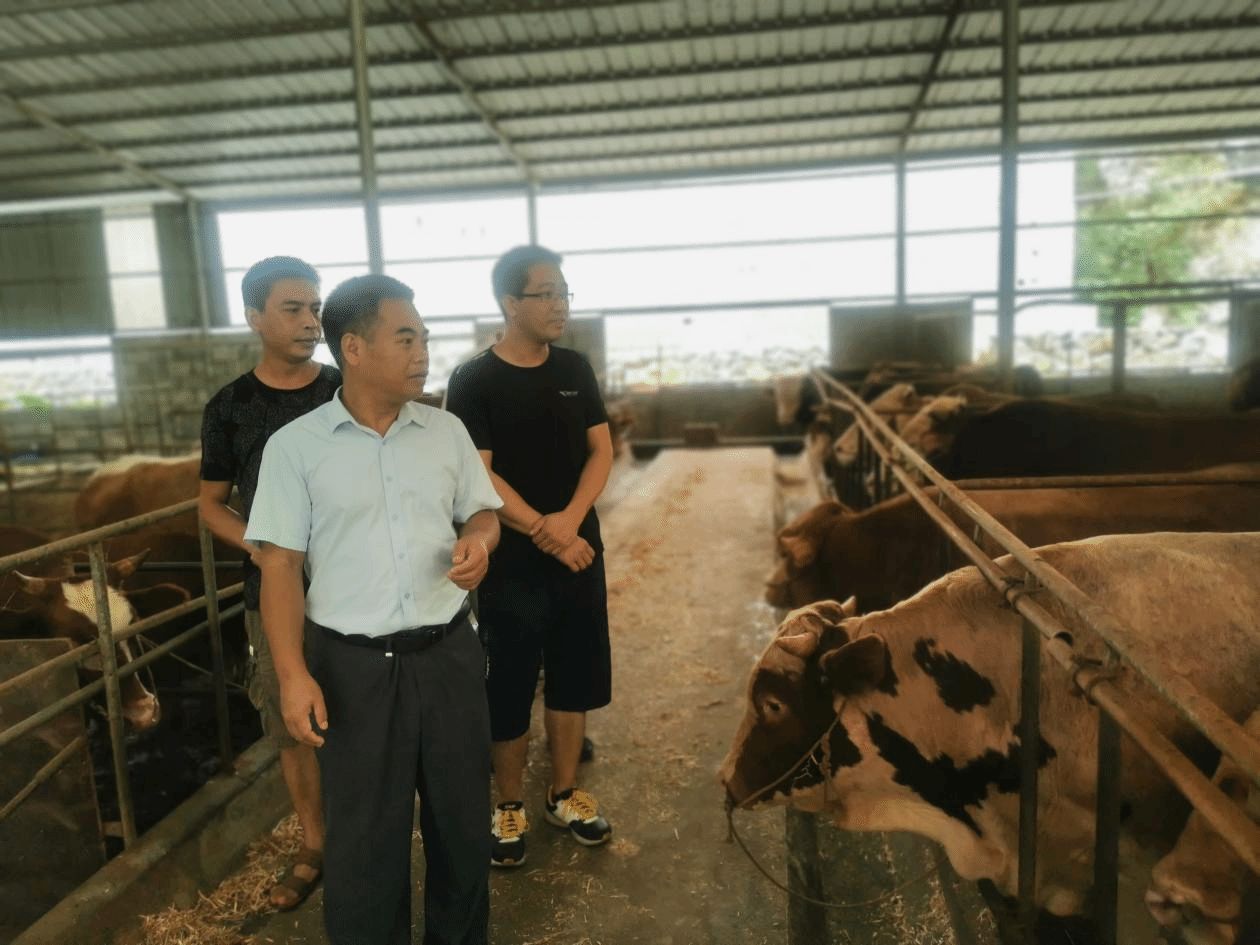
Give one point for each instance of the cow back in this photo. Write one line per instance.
(1045, 438)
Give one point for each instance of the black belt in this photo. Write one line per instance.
(411, 640)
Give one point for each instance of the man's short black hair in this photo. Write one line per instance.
(352, 308)
(511, 273)
(261, 276)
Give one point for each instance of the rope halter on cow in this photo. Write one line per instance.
(795, 771)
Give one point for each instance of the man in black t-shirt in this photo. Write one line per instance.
(282, 307)
(535, 415)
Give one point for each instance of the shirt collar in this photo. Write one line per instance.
(411, 412)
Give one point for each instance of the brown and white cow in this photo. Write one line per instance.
(134, 485)
(887, 552)
(906, 719)
(61, 605)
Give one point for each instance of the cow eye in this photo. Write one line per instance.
(772, 708)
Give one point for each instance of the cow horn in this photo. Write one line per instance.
(126, 567)
(36, 586)
(801, 645)
(832, 612)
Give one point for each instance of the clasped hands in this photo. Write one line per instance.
(556, 535)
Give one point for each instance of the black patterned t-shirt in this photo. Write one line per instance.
(235, 427)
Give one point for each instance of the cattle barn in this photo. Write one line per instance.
(1023, 235)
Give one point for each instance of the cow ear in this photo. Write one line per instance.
(37, 587)
(857, 667)
(126, 567)
(151, 600)
(943, 408)
(799, 552)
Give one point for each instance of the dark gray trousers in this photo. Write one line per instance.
(397, 725)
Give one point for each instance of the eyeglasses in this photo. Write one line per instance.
(549, 296)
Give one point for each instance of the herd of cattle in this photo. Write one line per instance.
(899, 708)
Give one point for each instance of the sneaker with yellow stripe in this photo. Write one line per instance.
(507, 834)
(576, 810)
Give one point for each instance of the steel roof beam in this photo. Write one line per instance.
(723, 98)
(929, 75)
(195, 37)
(341, 65)
(40, 117)
(573, 181)
(490, 10)
(332, 24)
(471, 99)
(413, 148)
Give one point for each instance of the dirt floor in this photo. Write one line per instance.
(688, 541)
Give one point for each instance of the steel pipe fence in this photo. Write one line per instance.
(104, 647)
(1045, 634)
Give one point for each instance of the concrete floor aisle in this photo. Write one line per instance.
(688, 542)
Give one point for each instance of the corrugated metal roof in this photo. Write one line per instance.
(246, 99)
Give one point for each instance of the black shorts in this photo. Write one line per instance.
(559, 624)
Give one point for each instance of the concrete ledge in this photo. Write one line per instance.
(193, 849)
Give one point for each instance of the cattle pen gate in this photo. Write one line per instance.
(883, 457)
(46, 752)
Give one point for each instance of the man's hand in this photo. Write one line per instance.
(577, 556)
(554, 533)
(301, 697)
(470, 560)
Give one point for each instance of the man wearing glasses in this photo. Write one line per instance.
(535, 415)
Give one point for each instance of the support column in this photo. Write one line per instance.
(901, 231)
(367, 150)
(197, 247)
(1007, 205)
(531, 198)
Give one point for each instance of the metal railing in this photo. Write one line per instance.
(104, 648)
(1043, 632)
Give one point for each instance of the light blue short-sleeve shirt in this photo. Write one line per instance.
(374, 514)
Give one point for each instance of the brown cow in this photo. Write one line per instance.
(1198, 882)
(134, 485)
(620, 423)
(892, 549)
(1046, 438)
(906, 719)
(895, 406)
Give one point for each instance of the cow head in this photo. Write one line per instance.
(67, 608)
(787, 737)
(893, 405)
(793, 582)
(931, 431)
(1197, 887)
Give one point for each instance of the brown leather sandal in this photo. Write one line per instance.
(300, 886)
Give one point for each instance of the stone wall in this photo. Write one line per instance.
(165, 380)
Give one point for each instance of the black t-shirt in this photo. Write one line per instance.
(534, 421)
(235, 427)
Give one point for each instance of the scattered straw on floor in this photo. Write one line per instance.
(216, 919)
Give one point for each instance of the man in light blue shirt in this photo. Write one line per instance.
(387, 507)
